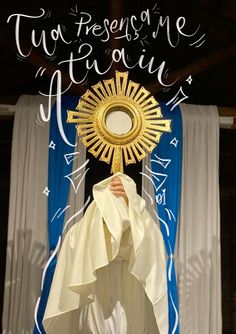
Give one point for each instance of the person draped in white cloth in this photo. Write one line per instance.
(111, 272)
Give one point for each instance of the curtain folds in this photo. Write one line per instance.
(59, 166)
(164, 174)
(198, 237)
(27, 249)
(197, 256)
(27, 224)
(199, 265)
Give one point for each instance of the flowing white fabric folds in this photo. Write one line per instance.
(198, 260)
(110, 234)
(27, 244)
(27, 223)
(198, 251)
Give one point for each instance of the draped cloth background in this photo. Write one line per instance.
(58, 167)
(198, 251)
(197, 256)
(164, 172)
(27, 248)
(27, 225)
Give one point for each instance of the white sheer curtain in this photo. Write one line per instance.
(198, 261)
(198, 251)
(27, 224)
(27, 249)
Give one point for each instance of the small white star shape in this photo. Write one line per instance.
(189, 80)
(46, 191)
(52, 145)
(174, 142)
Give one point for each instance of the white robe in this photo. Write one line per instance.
(111, 272)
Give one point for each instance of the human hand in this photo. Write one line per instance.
(117, 188)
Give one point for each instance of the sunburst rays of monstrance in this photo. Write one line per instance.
(119, 94)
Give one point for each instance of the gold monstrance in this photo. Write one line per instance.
(103, 105)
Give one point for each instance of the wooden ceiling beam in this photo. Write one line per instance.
(37, 60)
(227, 112)
(209, 10)
(196, 68)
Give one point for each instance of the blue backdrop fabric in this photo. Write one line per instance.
(166, 166)
(58, 186)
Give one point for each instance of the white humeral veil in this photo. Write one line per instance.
(111, 271)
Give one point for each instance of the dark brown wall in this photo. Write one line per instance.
(228, 227)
